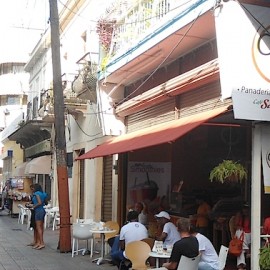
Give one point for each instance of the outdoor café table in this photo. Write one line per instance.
(163, 255)
(102, 232)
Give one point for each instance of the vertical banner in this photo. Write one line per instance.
(243, 44)
(266, 158)
(148, 182)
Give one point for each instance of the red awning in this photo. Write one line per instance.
(151, 136)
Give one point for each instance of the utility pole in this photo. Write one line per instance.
(60, 138)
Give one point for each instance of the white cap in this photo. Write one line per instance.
(163, 214)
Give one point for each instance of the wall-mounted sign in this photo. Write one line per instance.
(243, 43)
(251, 104)
(148, 182)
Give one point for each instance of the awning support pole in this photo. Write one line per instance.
(255, 196)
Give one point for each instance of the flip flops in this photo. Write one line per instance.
(40, 247)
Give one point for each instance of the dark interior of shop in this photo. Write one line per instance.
(192, 158)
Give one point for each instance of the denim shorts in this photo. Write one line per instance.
(40, 214)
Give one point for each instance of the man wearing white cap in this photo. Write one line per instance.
(169, 233)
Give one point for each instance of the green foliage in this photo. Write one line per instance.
(104, 62)
(228, 170)
(264, 258)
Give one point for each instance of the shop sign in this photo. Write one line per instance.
(243, 43)
(251, 104)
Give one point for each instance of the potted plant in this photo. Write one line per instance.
(228, 170)
(264, 257)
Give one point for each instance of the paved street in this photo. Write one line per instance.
(15, 254)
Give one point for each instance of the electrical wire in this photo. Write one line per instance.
(68, 126)
(26, 28)
(32, 13)
(96, 114)
(152, 73)
(255, 19)
(126, 23)
(158, 31)
(73, 12)
(107, 111)
(163, 61)
(92, 135)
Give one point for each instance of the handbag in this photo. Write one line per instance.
(236, 245)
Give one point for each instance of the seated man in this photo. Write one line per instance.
(169, 233)
(187, 246)
(209, 257)
(132, 231)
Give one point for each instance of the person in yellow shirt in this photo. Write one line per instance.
(202, 216)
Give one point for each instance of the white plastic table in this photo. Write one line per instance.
(164, 255)
(102, 233)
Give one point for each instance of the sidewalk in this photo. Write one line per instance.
(16, 255)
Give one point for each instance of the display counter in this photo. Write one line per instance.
(19, 194)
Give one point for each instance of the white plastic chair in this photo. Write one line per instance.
(222, 257)
(85, 220)
(48, 216)
(56, 220)
(28, 215)
(189, 263)
(20, 206)
(91, 222)
(23, 213)
(81, 231)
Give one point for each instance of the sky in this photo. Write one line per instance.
(22, 23)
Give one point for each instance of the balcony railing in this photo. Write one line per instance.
(131, 23)
(72, 103)
(84, 84)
